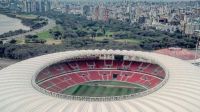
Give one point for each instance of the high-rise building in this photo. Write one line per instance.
(48, 5)
(24, 6)
(101, 11)
(96, 13)
(33, 5)
(67, 8)
(190, 28)
(37, 6)
(86, 10)
(43, 6)
(29, 6)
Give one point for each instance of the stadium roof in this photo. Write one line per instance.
(180, 94)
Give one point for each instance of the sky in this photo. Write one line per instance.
(138, 0)
(135, 0)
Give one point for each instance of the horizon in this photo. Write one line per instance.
(137, 0)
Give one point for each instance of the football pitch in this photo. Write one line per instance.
(103, 88)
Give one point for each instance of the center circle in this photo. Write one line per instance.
(100, 79)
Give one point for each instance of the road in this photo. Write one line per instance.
(51, 24)
(6, 62)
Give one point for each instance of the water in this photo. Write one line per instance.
(10, 24)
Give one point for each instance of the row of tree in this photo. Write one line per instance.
(12, 33)
(24, 51)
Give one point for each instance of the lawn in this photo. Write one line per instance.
(20, 41)
(58, 28)
(130, 41)
(44, 35)
(27, 16)
(103, 88)
(49, 37)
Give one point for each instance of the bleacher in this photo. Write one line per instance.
(58, 77)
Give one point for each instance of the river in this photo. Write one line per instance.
(10, 24)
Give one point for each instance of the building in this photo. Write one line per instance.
(35, 5)
(191, 27)
(86, 10)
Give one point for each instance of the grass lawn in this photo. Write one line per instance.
(130, 41)
(101, 38)
(20, 41)
(44, 35)
(71, 90)
(27, 16)
(109, 33)
(58, 28)
(51, 41)
(103, 88)
(48, 37)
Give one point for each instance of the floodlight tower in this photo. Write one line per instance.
(97, 13)
(197, 33)
(101, 10)
(106, 15)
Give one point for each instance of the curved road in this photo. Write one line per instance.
(51, 24)
(7, 62)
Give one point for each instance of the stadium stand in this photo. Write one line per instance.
(58, 77)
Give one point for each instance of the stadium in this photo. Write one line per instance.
(100, 81)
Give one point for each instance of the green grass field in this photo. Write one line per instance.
(27, 16)
(44, 35)
(129, 41)
(104, 88)
(47, 36)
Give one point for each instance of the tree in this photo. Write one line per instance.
(57, 34)
(81, 33)
(13, 41)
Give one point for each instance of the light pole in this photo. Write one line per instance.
(197, 33)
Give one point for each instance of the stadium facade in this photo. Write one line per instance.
(178, 91)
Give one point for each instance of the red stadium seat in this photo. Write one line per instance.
(60, 76)
(94, 75)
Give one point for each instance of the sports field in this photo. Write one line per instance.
(104, 88)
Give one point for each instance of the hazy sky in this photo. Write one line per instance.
(135, 0)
